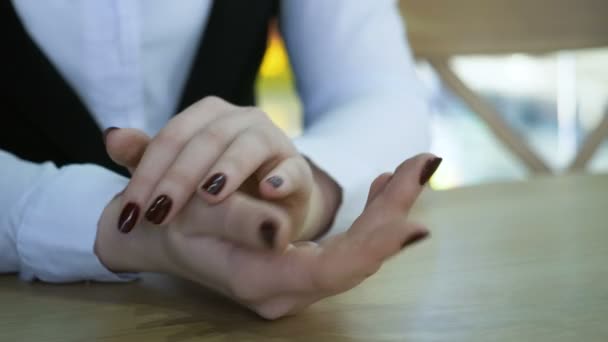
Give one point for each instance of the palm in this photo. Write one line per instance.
(275, 285)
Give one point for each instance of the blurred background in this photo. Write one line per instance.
(517, 88)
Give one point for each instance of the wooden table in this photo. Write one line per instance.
(511, 262)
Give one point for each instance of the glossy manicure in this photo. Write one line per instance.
(106, 132)
(416, 237)
(429, 169)
(159, 209)
(128, 217)
(215, 184)
(268, 232)
(275, 181)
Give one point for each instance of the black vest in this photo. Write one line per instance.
(42, 118)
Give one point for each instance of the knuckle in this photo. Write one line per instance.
(263, 138)
(255, 138)
(179, 180)
(255, 111)
(211, 102)
(234, 165)
(251, 148)
(215, 136)
(276, 139)
(172, 137)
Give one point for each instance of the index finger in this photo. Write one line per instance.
(409, 180)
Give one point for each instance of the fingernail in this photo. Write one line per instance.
(268, 232)
(275, 181)
(414, 238)
(429, 169)
(106, 132)
(215, 184)
(128, 217)
(159, 209)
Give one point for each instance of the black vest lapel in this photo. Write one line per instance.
(44, 120)
(231, 51)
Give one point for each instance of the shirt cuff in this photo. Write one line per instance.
(57, 224)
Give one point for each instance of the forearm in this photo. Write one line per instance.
(15, 183)
(49, 218)
(365, 111)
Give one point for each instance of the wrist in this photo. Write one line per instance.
(326, 198)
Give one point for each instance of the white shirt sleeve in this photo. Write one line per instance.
(365, 110)
(48, 219)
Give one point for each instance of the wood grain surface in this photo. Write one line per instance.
(440, 28)
(507, 262)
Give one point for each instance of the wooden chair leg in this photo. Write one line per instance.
(590, 145)
(491, 117)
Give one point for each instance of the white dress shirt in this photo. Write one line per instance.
(128, 61)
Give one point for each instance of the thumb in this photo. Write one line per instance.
(126, 146)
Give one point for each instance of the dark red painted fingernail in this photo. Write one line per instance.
(414, 238)
(268, 231)
(275, 181)
(159, 209)
(215, 184)
(429, 169)
(106, 132)
(128, 217)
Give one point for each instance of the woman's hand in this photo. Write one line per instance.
(215, 148)
(274, 285)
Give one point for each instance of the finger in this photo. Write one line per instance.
(389, 239)
(334, 266)
(419, 233)
(292, 177)
(398, 195)
(254, 148)
(186, 172)
(348, 260)
(241, 219)
(408, 181)
(160, 154)
(263, 276)
(378, 186)
(126, 146)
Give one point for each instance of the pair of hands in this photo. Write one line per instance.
(214, 149)
(215, 241)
